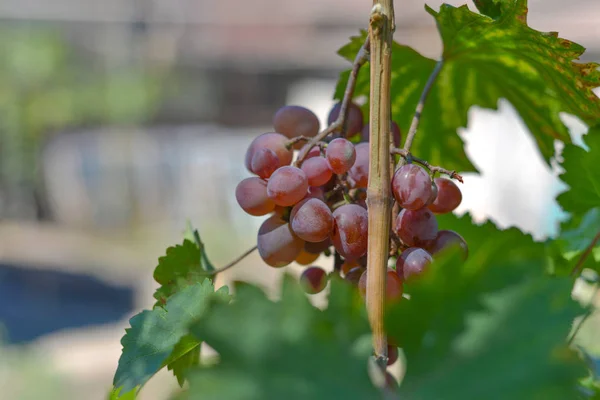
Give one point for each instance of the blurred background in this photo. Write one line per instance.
(120, 120)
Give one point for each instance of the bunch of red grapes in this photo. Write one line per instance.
(320, 202)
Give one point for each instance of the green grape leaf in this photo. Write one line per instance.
(492, 8)
(286, 349)
(582, 201)
(514, 349)
(575, 238)
(185, 355)
(477, 318)
(486, 58)
(157, 337)
(115, 394)
(486, 270)
(183, 265)
(582, 174)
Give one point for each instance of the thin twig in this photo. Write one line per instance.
(414, 125)
(588, 314)
(577, 268)
(361, 57)
(232, 263)
(290, 143)
(434, 169)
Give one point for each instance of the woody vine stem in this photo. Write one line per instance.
(379, 198)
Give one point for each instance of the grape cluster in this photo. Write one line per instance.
(320, 201)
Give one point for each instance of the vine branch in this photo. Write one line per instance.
(379, 198)
(232, 263)
(361, 57)
(579, 265)
(414, 125)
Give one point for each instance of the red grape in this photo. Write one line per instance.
(412, 263)
(396, 136)
(354, 118)
(434, 192)
(447, 239)
(272, 141)
(353, 276)
(313, 280)
(393, 286)
(416, 228)
(293, 121)
(306, 258)
(316, 192)
(264, 162)
(277, 244)
(318, 247)
(311, 220)
(341, 155)
(251, 195)
(350, 231)
(315, 151)
(317, 171)
(448, 197)
(347, 265)
(392, 353)
(359, 172)
(287, 186)
(411, 187)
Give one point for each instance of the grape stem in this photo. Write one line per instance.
(409, 158)
(361, 57)
(379, 197)
(290, 143)
(232, 263)
(577, 268)
(587, 314)
(414, 125)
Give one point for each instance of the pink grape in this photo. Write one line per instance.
(317, 171)
(316, 192)
(417, 228)
(412, 263)
(392, 353)
(313, 280)
(445, 240)
(251, 195)
(287, 186)
(393, 286)
(264, 162)
(434, 192)
(448, 197)
(353, 276)
(350, 231)
(411, 187)
(315, 151)
(341, 155)
(311, 220)
(306, 258)
(359, 172)
(354, 118)
(319, 247)
(293, 121)
(272, 141)
(277, 244)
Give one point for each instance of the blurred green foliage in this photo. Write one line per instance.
(48, 85)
